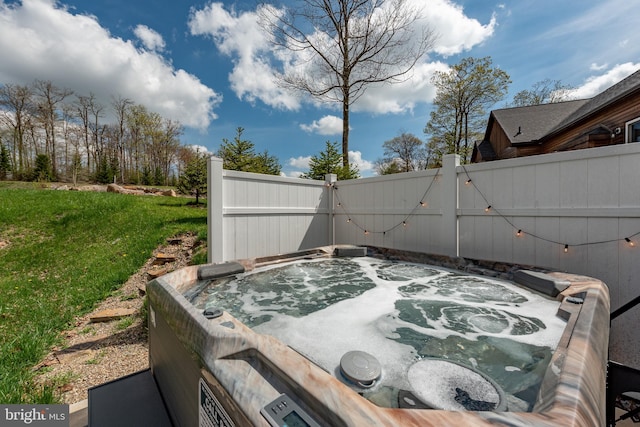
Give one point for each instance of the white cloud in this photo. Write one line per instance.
(151, 39)
(256, 61)
(598, 67)
(401, 97)
(200, 149)
(240, 36)
(39, 39)
(300, 162)
(327, 125)
(355, 158)
(457, 32)
(597, 84)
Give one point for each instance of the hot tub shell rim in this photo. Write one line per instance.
(574, 397)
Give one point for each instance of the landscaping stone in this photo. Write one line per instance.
(111, 314)
(157, 272)
(162, 258)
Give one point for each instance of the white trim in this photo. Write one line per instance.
(627, 125)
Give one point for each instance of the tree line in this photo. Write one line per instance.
(50, 133)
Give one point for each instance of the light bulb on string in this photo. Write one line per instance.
(629, 241)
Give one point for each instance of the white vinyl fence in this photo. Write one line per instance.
(570, 211)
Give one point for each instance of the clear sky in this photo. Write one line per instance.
(208, 65)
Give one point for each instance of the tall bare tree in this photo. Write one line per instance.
(121, 107)
(49, 105)
(348, 46)
(17, 103)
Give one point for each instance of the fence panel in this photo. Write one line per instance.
(254, 215)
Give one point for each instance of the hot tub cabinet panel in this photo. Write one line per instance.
(218, 371)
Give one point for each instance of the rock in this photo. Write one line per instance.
(111, 314)
(63, 188)
(174, 240)
(92, 188)
(169, 193)
(156, 272)
(162, 258)
(115, 188)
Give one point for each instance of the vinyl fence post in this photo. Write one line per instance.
(329, 180)
(450, 230)
(215, 231)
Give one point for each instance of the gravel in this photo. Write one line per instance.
(95, 353)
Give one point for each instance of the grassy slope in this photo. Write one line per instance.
(69, 250)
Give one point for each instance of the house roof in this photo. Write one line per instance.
(614, 93)
(485, 150)
(529, 124)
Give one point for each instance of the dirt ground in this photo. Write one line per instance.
(97, 352)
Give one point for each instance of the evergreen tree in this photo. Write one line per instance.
(194, 178)
(330, 161)
(239, 155)
(5, 164)
(43, 171)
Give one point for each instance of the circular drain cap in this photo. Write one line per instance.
(361, 368)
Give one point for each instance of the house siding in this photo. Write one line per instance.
(578, 136)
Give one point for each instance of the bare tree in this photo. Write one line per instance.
(462, 96)
(121, 107)
(545, 91)
(49, 101)
(17, 101)
(354, 44)
(403, 154)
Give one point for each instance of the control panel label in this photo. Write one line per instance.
(212, 414)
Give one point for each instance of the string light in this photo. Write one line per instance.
(489, 208)
(402, 223)
(467, 182)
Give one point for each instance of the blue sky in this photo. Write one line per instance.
(207, 65)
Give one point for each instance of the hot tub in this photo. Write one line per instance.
(213, 369)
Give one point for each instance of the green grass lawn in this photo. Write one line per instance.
(64, 252)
